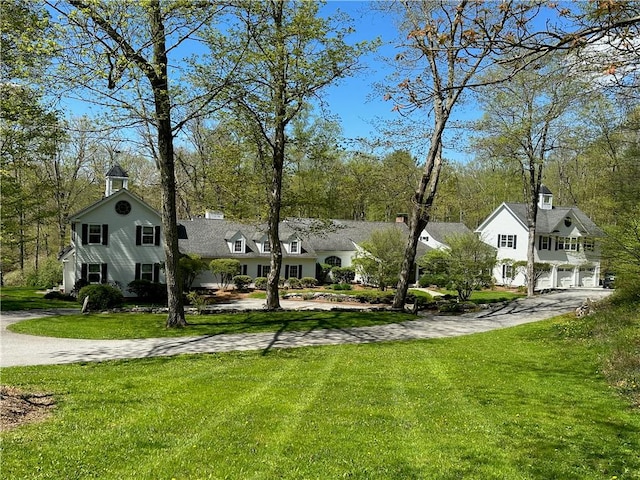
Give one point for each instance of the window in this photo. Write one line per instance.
(237, 246)
(266, 246)
(333, 261)
(146, 271)
(424, 238)
(95, 234)
(147, 235)
(263, 270)
(293, 247)
(123, 207)
(293, 271)
(507, 241)
(568, 243)
(589, 244)
(93, 272)
(545, 243)
(507, 271)
(546, 199)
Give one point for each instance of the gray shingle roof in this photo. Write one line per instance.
(548, 220)
(439, 231)
(116, 171)
(206, 237)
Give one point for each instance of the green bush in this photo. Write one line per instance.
(48, 275)
(242, 282)
(340, 286)
(343, 274)
(375, 297)
(147, 290)
(101, 296)
(438, 280)
(260, 283)
(293, 282)
(308, 282)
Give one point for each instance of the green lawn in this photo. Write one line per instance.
(530, 402)
(28, 298)
(139, 325)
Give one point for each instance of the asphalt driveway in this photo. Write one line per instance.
(18, 349)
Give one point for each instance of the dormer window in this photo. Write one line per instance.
(266, 246)
(238, 246)
(294, 247)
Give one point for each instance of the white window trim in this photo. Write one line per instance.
(266, 246)
(146, 238)
(235, 244)
(90, 234)
(94, 266)
(297, 244)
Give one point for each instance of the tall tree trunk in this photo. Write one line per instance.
(419, 216)
(277, 162)
(166, 165)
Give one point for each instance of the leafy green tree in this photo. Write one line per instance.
(622, 252)
(379, 258)
(289, 55)
(121, 54)
(190, 266)
(226, 269)
(446, 46)
(467, 264)
(525, 122)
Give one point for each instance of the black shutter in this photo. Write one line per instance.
(105, 234)
(259, 270)
(244, 269)
(138, 269)
(515, 237)
(286, 272)
(138, 235)
(556, 243)
(156, 272)
(499, 240)
(103, 273)
(157, 237)
(540, 243)
(299, 271)
(84, 271)
(85, 234)
(577, 245)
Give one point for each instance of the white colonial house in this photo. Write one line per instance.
(566, 238)
(119, 239)
(115, 240)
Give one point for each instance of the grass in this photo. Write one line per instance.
(139, 325)
(529, 402)
(29, 298)
(488, 296)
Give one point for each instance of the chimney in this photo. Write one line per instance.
(402, 217)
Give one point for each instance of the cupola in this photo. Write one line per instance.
(545, 198)
(117, 179)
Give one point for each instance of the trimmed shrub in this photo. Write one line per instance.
(293, 282)
(242, 282)
(340, 286)
(147, 290)
(343, 274)
(260, 283)
(308, 282)
(101, 296)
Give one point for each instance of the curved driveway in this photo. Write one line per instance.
(18, 349)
